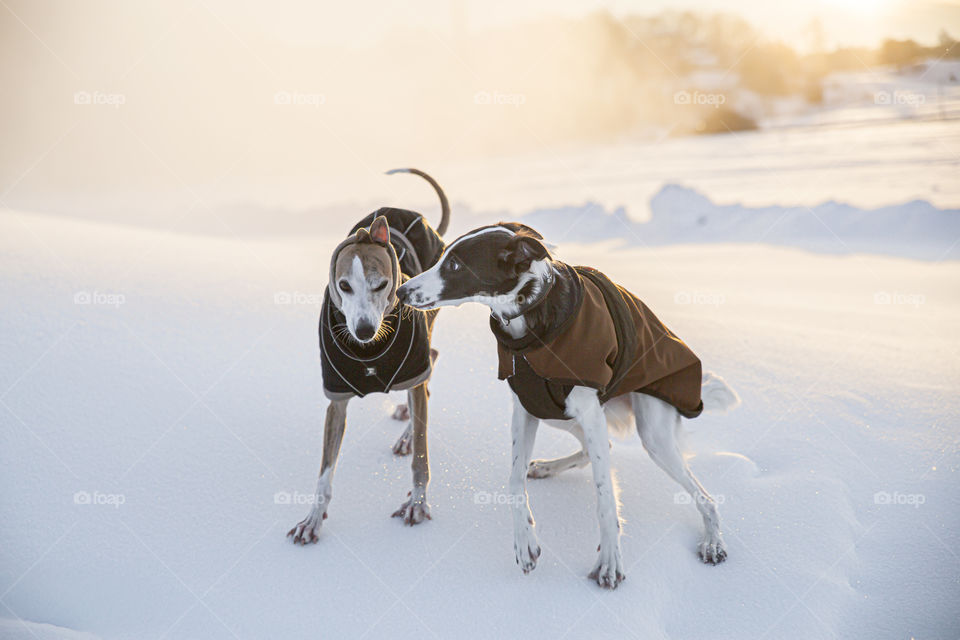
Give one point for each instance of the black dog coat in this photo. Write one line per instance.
(402, 361)
(417, 245)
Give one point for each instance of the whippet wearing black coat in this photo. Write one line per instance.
(371, 343)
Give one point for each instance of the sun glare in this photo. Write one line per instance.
(859, 6)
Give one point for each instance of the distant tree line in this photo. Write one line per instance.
(685, 41)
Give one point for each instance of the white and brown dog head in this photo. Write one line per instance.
(364, 274)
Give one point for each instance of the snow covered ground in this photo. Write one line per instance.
(161, 417)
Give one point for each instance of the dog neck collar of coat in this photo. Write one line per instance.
(528, 305)
(536, 337)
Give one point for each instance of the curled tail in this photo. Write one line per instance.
(444, 205)
(717, 395)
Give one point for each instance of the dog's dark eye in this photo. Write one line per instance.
(453, 264)
(345, 287)
(381, 286)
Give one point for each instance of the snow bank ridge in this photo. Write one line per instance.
(682, 215)
(717, 395)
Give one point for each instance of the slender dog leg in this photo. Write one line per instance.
(657, 423)
(547, 468)
(333, 428)
(415, 509)
(583, 405)
(404, 443)
(524, 432)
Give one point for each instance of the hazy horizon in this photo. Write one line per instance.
(256, 99)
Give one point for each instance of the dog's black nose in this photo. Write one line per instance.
(402, 295)
(365, 331)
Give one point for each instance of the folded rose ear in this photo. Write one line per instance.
(380, 230)
(521, 251)
(362, 235)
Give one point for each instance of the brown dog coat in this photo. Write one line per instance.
(611, 342)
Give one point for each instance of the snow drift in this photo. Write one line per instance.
(161, 424)
(681, 215)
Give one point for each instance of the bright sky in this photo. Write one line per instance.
(850, 22)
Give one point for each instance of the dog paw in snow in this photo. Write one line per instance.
(527, 549)
(608, 572)
(711, 550)
(307, 530)
(415, 510)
